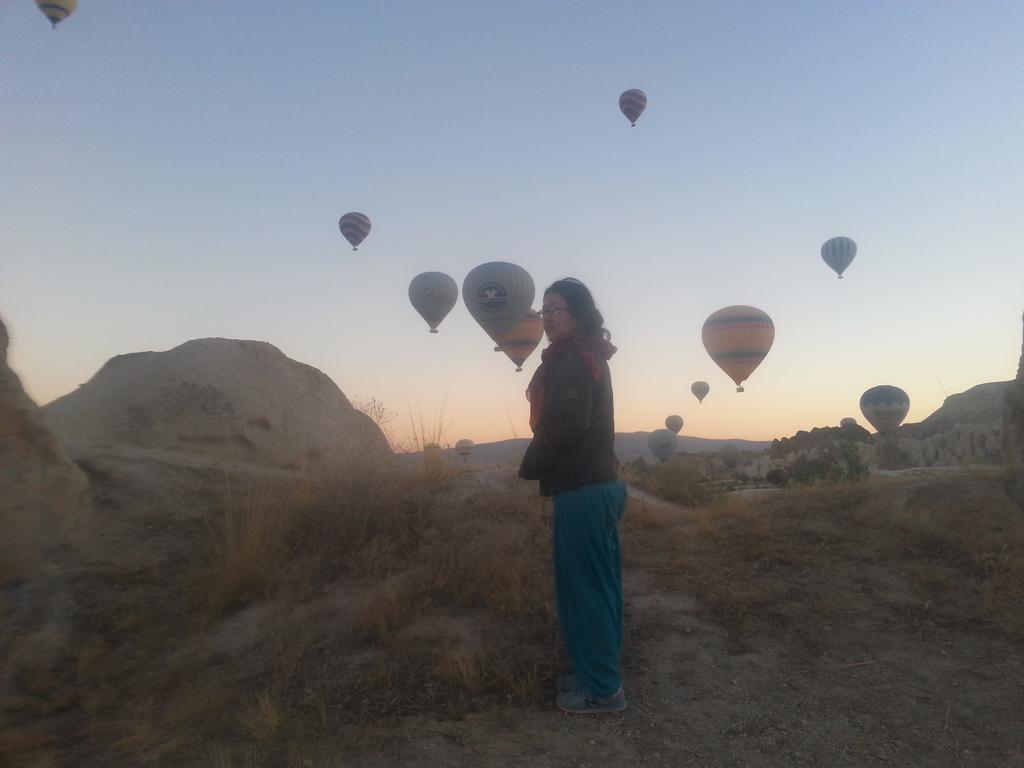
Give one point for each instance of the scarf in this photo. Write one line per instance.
(589, 348)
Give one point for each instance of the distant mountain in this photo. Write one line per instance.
(982, 404)
(628, 446)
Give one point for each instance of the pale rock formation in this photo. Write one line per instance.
(224, 398)
(43, 499)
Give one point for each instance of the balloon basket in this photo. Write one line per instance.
(739, 389)
(433, 330)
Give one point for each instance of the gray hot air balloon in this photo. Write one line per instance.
(498, 295)
(885, 407)
(849, 421)
(632, 103)
(674, 422)
(662, 443)
(464, 448)
(355, 227)
(838, 253)
(700, 390)
(433, 294)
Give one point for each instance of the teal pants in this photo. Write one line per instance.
(588, 582)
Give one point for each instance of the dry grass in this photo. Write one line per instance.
(412, 590)
(953, 544)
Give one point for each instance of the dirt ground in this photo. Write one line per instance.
(855, 661)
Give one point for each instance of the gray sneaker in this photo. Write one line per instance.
(566, 683)
(582, 702)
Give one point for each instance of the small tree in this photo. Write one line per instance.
(730, 456)
(379, 414)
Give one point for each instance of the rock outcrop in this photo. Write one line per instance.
(42, 493)
(224, 398)
(43, 499)
(1013, 429)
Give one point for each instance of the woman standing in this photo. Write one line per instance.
(572, 455)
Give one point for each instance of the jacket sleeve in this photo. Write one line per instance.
(565, 418)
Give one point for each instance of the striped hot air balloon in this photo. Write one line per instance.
(838, 253)
(519, 343)
(498, 295)
(738, 339)
(662, 443)
(57, 10)
(355, 227)
(700, 390)
(674, 422)
(632, 104)
(885, 406)
(433, 294)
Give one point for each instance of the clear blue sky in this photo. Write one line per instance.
(176, 170)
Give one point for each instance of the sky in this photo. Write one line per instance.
(172, 171)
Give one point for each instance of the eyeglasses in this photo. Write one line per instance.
(550, 311)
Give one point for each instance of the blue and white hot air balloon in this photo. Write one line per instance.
(838, 253)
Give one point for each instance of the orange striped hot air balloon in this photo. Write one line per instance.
(520, 342)
(738, 338)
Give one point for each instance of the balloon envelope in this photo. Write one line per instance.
(662, 443)
(848, 422)
(519, 343)
(738, 338)
(498, 295)
(632, 103)
(355, 227)
(433, 294)
(464, 447)
(700, 390)
(885, 406)
(838, 253)
(674, 423)
(57, 10)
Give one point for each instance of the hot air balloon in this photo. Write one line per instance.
(464, 448)
(885, 406)
(838, 253)
(632, 104)
(738, 338)
(57, 10)
(848, 422)
(433, 294)
(662, 443)
(355, 227)
(498, 295)
(675, 423)
(519, 343)
(700, 390)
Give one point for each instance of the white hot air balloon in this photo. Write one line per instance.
(662, 443)
(433, 294)
(838, 253)
(498, 295)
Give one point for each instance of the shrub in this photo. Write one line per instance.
(681, 483)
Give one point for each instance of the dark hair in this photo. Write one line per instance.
(581, 304)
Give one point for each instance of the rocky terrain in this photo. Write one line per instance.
(224, 398)
(43, 505)
(1013, 429)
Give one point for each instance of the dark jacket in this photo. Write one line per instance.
(573, 444)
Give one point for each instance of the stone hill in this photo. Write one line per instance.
(224, 398)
